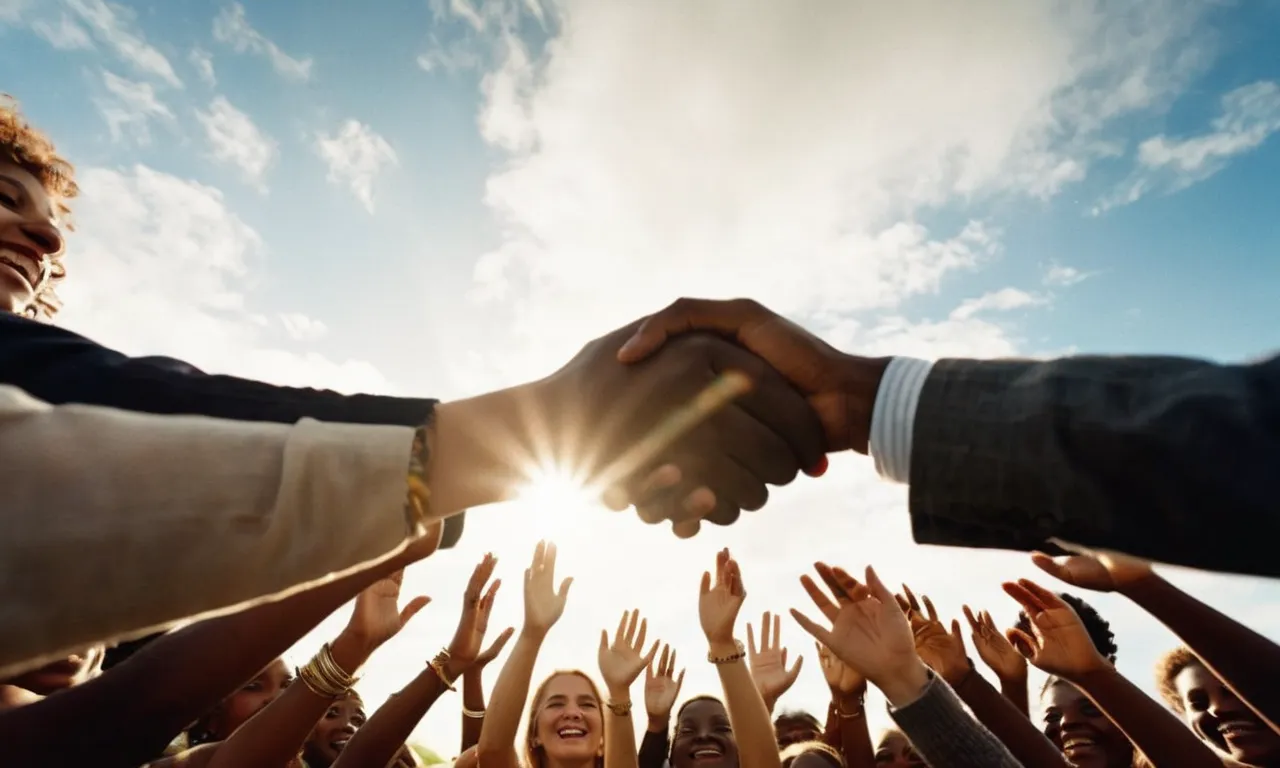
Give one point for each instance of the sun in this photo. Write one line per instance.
(556, 502)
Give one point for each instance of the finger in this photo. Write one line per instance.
(648, 486)
(648, 658)
(1047, 598)
(679, 683)
(911, 598)
(663, 660)
(818, 632)
(671, 668)
(794, 674)
(929, 609)
(776, 405)
(549, 560)
(686, 529)
(1024, 643)
(643, 633)
(499, 643)
(975, 625)
(486, 602)
(539, 554)
(819, 598)
(604, 640)
(767, 640)
(633, 625)
(411, 609)
(1025, 598)
(621, 630)
(850, 585)
(722, 317)
(739, 588)
(706, 582)
(903, 604)
(563, 594)
(777, 629)
(827, 573)
(1050, 566)
(956, 635)
(879, 590)
(751, 640)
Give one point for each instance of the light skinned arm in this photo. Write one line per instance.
(621, 662)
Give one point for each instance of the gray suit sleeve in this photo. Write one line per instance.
(945, 735)
(1171, 459)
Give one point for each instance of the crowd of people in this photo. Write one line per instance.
(301, 502)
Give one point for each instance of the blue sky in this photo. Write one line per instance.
(442, 197)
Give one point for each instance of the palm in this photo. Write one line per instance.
(660, 695)
(477, 605)
(622, 661)
(377, 616)
(841, 678)
(937, 649)
(719, 603)
(863, 639)
(994, 649)
(543, 604)
(1064, 646)
(769, 663)
(1100, 573)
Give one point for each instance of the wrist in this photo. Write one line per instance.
(351, 649)
(533, 634)
(721, 648)
(904, 684)
(859, 382)
(658, 723)
(1097, 668)
(1139, 588)
(467, 467)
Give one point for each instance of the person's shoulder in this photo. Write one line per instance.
(196, 757)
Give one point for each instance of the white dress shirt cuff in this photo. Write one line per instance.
(893, 418)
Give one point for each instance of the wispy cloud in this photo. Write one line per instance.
(113, 26)
(1065, 276)
(129, 108)
(232, 28)
(458, 55)
(1248, 116)
(1002, 300)
(202, 61)
(302, 327)
(235, 139)
(355, 155)
(65, 34)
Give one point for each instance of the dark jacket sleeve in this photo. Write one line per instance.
(945, 735)
(654, 748)
(59, 366)
(1169, 459)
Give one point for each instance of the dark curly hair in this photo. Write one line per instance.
(1099, 629)
(1168, 668)
(28, 148)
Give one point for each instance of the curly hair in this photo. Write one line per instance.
(1099, 629)
(1168, 668)
(28, 148)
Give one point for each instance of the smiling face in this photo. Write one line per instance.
(566, 725)
(895, 751)
(335, 729)
(703, 737)
(1219, 718)
(29, 237)
(1081, 731)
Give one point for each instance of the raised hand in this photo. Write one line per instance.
(1101, 572)
(869, 631)
(994, 648)
(769, 664)
(943, 651)
(720, 601)
(378, 616)
(844, 681)
(622, 661)
(489, 654)
(543, 603)
(1058, 642)
(477, 604)
(661, 686)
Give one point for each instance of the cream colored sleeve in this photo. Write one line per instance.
(114, 524)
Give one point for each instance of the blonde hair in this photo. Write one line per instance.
(31, 150)
(535, 756)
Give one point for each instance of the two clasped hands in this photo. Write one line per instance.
(688, 415)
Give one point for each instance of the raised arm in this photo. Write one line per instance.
(1243, 659)
(718, 605)
(1059, 645)
(543, 606)
(621, 662)
(380, 739)
(276, 735)
(846, 728)
(1001, 657)
(661, 689)
(768, 663)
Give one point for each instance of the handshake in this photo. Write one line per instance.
(687, 415)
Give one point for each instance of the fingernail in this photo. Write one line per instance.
(819, 469)
(630, 345)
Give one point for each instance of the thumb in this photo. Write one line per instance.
(706, 582)
(819, 632)
(1023, 642)
(411, 610)
(682, 316)
(563, 593)
(794, 672)
(1050, 566)
(879, 590)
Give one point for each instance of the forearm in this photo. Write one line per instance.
(1003, 718)
(276, 735)
(135, 711)
(847, 731)
(378, 741)
(502, 722)
(619, 731)
(931, 716)
(481, 448)
(1245, 660)
(757, 744)
(210, 515)
(1015, 690)
(473, 702)
(1152, 729)
(1135, 450)
(655, 745)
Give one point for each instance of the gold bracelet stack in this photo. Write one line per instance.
(437, 666)
(324, 677)
(619, 708)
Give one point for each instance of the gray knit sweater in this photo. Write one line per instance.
(946, 735)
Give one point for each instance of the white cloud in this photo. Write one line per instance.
(11, 10)
(1249, 115)
(160, 266)
(202, 60)
(112, 25)
(65, 35)
(302, 327)
(130, 108)
(458, 55)
(1065, 276)
(1002, 300)
(232, 28)
(355, 155)
(236, 140)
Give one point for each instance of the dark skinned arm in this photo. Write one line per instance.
(130, 714)
(1002, 717)
(847, 730)
(472, 700)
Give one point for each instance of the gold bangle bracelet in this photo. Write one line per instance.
(619, 708)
